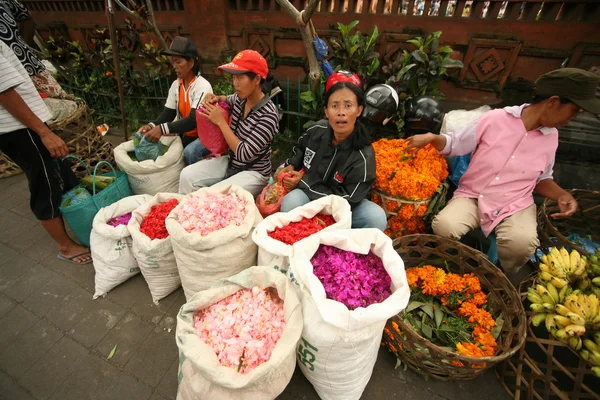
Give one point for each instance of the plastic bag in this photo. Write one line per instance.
(269, 200)
(209, 134)
(146, 150)
(458, 166)
(75, 196)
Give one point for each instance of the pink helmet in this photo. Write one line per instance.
(342, 76)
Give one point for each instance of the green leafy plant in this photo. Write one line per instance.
(420, 72)
(354, 51)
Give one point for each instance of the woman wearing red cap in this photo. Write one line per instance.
(335, 156)
(254, 122)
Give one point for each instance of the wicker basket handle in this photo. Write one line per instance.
(94, 176)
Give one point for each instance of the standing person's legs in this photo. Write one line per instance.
(367, 214)
(251, 181)
(517, 240)
(202, 174)
(48, 180)
(459, 217)
(293, 199)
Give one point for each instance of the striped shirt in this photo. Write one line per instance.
(14, 76)
(256, 133)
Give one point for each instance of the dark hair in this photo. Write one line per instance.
(253, 75)
(196, 67)
(361, 137)
(358, 92)
(538, 99)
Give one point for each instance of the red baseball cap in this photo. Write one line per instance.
(247, 61)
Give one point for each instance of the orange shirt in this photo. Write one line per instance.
(184, 103)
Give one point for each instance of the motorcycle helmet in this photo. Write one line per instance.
(342, 76)
(381, 103)
(423, 114)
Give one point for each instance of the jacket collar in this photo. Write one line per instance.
(517, 111)
(346, 144)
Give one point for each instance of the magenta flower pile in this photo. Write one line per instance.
(355, 280)
(243, 328)
(210, 212)
(120, 220)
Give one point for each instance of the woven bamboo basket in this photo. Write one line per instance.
(411, 222)
(545, 368)
(431, 360)
(79, 133)
(8, 167)
(586, 221)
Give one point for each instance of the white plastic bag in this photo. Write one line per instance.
(338, 347)
(456, 119)
(152, 177)
(273, 253)
(203, 260)
(201, 375)
(111, 246)
(155, 257)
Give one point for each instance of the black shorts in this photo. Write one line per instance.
(48, 178)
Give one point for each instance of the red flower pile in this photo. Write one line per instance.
(154, 225)
(296, 231)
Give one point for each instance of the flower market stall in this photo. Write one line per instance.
(410, 185)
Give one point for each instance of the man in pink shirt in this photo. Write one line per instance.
(513, 152)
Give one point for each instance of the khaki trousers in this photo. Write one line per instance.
(516, 236)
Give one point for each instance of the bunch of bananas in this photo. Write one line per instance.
(593, 271)
(560, 268)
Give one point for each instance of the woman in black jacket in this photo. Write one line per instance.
(335, 156)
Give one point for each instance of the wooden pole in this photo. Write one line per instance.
(115, 50)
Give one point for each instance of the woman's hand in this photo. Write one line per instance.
(214, 113)
(292, 182)
(144, 128)
(209, 98)
(154, 134)
(284, 170)
(417, 142)
(55, 145)
(567, 204)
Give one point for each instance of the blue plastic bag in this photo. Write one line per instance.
(146, 150)
(458, 166)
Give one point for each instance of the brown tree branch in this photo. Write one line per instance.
(314, 69)
(310, 9)
(149, 24)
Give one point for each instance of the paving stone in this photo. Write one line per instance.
(11, 180)
(5, 306)
(28, 348)
(169, 321)
(32, 281)
(15, 200)
(29, 238)
(42, 251)
(14, 324)
(95, 325)
(91, 377)
(152, 360)
(10, 390)
(145, 308)
(128, 334)
(13, 225)
(6, 253)
(298, 388)
(14, 268)
(128, 293)
(50, 295)
(23, 209)
(168, 385)
(49, 372)
(76, 272)
(72, 309)
(124, 386)
(157, 396)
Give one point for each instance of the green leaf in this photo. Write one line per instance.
(498, 328)
(308, 96)
(427, 331)
(439, 314)
(112, 352)
(413, 305)
(428, 309)
(352, 50)
(450, 63)
(352, 25)
(373, 67)
(404, 70)
(445, 49)
(416, 42)
(420, 56)
(372, 37)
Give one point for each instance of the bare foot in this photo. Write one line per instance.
(76, 254)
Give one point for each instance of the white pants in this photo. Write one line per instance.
(212, 172)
